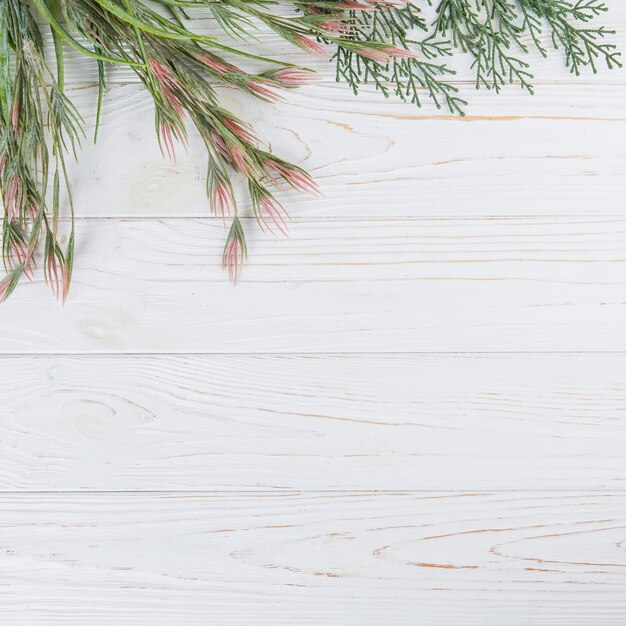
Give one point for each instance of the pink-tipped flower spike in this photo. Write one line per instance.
(337, 27)
(293, 176)
(400, 52)
(168, 84)
(221, 199)
(374, 54)
(7, 284)
(219, 188)
(233, 153)
(261, 88)
(310, 45)
(238, 129)
(166, 140)
(235, 251)
(28, 265)
(68, 263)
(217, 65)
(20, 255)
(270, 208)
(267, 209)
(65, 281)
(217, 141)
(232, 260)
(290, 77)
(167, 133)
(53, 275)
(241, 161)
(233, 150)
(13, 197)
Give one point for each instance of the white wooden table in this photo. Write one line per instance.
(412, 411)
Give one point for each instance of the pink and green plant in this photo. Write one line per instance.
(391, 44)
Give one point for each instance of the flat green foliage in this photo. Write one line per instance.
(497, 34)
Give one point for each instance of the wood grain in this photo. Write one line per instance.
(486, 285)
(342, 558)
(226, 422)
(561, 152)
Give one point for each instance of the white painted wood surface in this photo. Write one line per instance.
(233, 422)
(412, 411)
(334, 558)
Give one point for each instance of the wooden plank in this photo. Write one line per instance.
(313, 422)
(524, 284)
(338, 559)
(561, 152)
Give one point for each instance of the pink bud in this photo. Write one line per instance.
(268, 208)
(168, 133)
(400, 52)
(13, 197)
(217, 65)
(293, 77)
(374, 54)
(237, 129)
(314, 47)
(295, 177)
(233, 258)
(65, 281)
(168, 83)
(5, 287)
(221, 199)
(53, 276)
(261, 88)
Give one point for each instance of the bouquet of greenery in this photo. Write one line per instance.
(391, 44)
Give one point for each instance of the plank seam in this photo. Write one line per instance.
(276, 492)
(310, 354)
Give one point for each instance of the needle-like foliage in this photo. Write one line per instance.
(400, 47)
